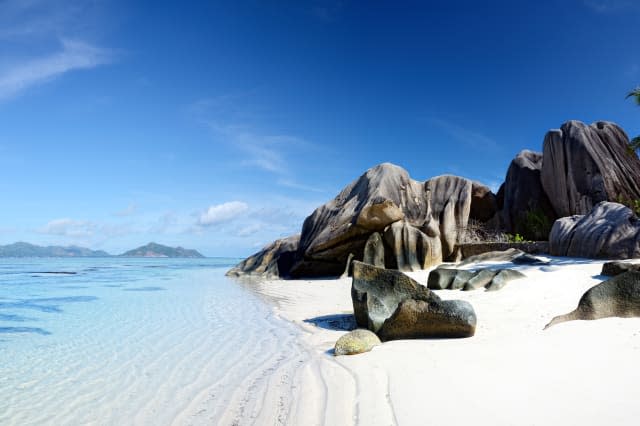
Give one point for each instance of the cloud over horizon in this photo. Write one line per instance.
(222, 213)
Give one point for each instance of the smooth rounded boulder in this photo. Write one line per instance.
(356, 342)
(419, 319)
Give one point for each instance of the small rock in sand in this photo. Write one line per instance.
(356, 342)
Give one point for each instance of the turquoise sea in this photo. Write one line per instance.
(119, 341)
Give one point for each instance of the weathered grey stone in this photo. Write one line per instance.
(483, 202)
(531, 247)
(527, 259)
(356, 342)
(347, 267)
(609, 231)
(374, 251)
(449, 205)
(441, 278)
(461, 279)
(377, 292)
(369, 204)
(410, 249)
(617, 297)
(503, 277)
(493, 256)
(481, 279)
(378, 215)
(419, 319)
(616, 268)
(584, 165)
(396, 307)
(526, 208)
(275, 260)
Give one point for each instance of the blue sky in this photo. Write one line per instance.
(220, 126)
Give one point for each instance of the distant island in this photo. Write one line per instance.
(158, 250)
(22, 249)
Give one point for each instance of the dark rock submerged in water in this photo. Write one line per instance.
(616, 297)
(609, 231)
(586, 164)
(395, 306)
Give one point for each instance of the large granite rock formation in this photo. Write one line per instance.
(526, 210)
(584, 165)
(273, 261)
(484, 205)
(609, 231)
(616, 297)
(395, 306)
(421, 223)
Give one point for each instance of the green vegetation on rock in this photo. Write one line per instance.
(634, 144)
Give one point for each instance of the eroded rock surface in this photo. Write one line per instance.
(274, 261)
(447, 278)
(609, 231)
(421, 223)
(526, 208)
(586, 164)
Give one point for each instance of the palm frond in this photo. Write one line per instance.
(635, 93)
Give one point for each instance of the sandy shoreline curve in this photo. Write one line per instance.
(510, 373)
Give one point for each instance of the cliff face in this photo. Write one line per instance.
(586, 164)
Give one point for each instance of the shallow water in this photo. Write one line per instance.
(139, 341)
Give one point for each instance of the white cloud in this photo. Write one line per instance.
(222, 213)
(69, 228)
(74, 55)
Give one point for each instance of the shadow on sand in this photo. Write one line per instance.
(341, 322)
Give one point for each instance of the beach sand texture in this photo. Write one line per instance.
(510, 373)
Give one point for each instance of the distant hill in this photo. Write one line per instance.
(31, 250)
(158, 250)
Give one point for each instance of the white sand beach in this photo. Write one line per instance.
(510, 373)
